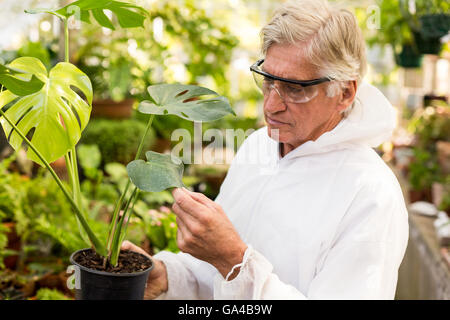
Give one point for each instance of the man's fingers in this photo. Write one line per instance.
(185, 201)
(186, 216)
(181, 226)
(183, 234)
(189, 222)
(127, 245)
(200, 197)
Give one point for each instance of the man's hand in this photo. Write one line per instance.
(205, 232)
(157, 278)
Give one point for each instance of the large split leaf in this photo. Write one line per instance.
(128, 15)
(19, 82)
(184, 101)
(57, 113)
(159, 172)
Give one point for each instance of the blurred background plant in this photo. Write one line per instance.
(117, 140)
(431, 146)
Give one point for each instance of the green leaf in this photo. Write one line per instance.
(89, 156)
(116, 171)
(102, 19)
(128, 15)
(161, 171)
(183, 101)
(56, 112)
(15, 80)
(43, 10)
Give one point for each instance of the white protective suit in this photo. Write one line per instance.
(327, 221)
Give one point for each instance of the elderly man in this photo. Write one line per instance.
(308, 209)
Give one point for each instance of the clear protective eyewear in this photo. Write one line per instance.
(291, 91)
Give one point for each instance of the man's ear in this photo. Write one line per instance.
(347, 95)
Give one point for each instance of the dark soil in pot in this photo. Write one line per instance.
(126, 281)
(128, 262)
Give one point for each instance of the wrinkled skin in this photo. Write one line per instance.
(298, 123)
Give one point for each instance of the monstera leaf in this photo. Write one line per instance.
(57, 113)
(159, 172)
(128, 15)
(183, 101)
(18, 81)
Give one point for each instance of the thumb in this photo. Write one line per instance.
(127, 245)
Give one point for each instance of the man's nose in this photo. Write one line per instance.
(273, 102)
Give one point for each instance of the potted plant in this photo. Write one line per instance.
(431, 129)
(429, 22)
(395, 31)
(111, 78)
(57, 105)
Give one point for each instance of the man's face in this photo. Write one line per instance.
(297, 123)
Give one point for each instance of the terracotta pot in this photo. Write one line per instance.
(14, 243)
(420, 195)
(443, 154)
(108, 108)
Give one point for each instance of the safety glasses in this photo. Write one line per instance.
(292, 91)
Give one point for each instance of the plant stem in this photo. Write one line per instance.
(71, 157)
(94, 240)
(131, 212)
(72, 153)
(141, 145)
(112, 228)
(71, 160)
(69, 169)
(66, 40)
(76, 179)
(117, 234)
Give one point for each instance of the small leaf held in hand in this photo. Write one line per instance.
(159, 172)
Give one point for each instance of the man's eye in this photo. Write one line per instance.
(293, 89)
(268, 80)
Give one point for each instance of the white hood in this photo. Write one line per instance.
(327, 221)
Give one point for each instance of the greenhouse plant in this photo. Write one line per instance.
(48, 112)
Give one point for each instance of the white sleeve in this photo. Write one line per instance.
(361, 263)
(188, 278)
(254, 281)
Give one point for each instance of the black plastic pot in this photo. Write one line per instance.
(408, 57)
(427, 45)
(432, 28)
(434, 25)
(99, 285)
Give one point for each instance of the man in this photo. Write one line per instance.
(308, 210)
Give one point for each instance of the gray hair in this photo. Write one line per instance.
(330, 37)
